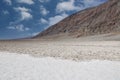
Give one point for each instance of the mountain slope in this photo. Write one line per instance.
(98, 20)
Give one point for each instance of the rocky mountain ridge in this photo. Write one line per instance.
(102, 19)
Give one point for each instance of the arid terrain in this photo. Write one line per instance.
(76, 49)
(83, 46)
(102, 19)
(89, 34)
(96, 57)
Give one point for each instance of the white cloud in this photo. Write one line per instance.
(23, 9)
(25, 16)
(26, 29)
(19, 27)
(43, 21)
(26, 1)
(53, 20)
(42, 1)
(89, 3)
(66, 6)
(5, 12)
(9, 2)
(56, 19)
(24, 12)
(35, 34)
(43, 10)
(70, 5)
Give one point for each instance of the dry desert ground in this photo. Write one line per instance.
(60, 59)
(75, 49)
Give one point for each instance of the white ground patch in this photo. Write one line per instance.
(25, 67)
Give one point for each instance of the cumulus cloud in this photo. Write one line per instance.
(35, 33)
(42, 1)
(53, 20)
(5, 12)
(9, 2)
(56, 19)
(24, 12)
(66, 6)
(89, 3)
(43, 10)
(43, 21)
(76, 5)
(26, 1)
(23, 9)
(25, 16)
(19, 27)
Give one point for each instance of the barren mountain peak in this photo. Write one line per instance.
(102, 19)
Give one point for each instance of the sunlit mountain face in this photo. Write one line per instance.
(26, 18)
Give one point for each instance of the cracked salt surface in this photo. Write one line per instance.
(24, 67)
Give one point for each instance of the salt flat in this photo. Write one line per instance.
(67, 59)
(66, 49)
(24, 67)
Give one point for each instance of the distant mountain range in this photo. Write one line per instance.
(102, 19)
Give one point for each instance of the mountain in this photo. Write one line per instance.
(102, 19)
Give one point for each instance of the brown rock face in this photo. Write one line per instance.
(98, 20)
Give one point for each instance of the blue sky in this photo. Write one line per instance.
(24, 18)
